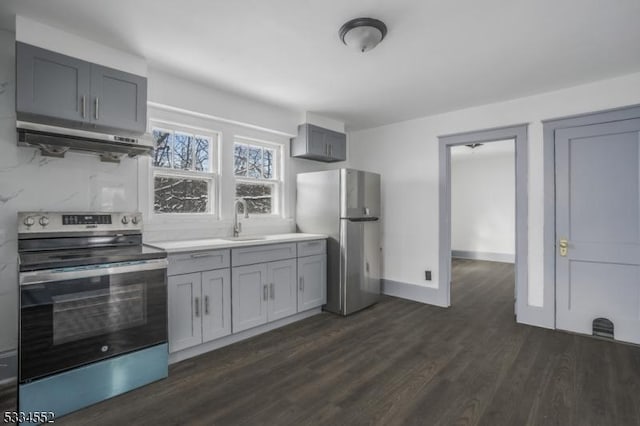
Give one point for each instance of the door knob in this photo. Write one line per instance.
(564, 247)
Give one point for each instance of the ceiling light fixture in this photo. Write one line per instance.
(363, 33)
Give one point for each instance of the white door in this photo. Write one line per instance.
(598, 215)
(249, 296)
(185, 324)
(312, 282)
(283, 296)
(216, 304)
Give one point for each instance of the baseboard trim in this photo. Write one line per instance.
(8, 366)
(417, 293)
(536, 316)
(243, 335)
(484, 255)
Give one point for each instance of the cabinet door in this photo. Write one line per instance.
(119, 99)
(316, 141)
(185, 324)
(282, 289)
(337, 146)
(312, 282)
(249, 295)
(50, 84)
(216, 304)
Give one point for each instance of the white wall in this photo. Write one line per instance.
(483, 200)
(406, 154)
(172, 99)
(81, 182)
(39, 34)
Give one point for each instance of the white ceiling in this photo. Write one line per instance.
(438, 55)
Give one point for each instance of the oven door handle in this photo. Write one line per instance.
(51, 275)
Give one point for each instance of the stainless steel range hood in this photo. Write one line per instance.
(55, 141)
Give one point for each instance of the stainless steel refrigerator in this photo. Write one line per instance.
(344, 204)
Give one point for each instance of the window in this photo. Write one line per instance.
(183, 171)
(256, 168)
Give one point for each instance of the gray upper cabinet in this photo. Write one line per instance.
(119, 99)
(50, 84)
(62, 90)
(316, 143)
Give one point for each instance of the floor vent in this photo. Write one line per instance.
(602, 327)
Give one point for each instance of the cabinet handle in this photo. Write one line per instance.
(201, 255)
(97, 108)
(206, 305)
(301, 284)
(265, 292)
(326, 150)
(272, 290)
(84, 106)
(197, 306)
(330, 150)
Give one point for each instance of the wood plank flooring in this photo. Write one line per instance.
(399, 362)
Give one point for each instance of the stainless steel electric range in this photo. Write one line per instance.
(93, 309)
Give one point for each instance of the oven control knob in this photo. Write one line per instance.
(135, 220)
(29, 221)
(44, 221)
(125, 220)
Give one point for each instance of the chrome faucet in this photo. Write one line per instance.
(237, 226)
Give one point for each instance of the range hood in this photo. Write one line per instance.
(55, 141)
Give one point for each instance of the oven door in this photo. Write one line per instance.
(74, 316)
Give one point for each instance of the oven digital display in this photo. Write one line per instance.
(83, 219)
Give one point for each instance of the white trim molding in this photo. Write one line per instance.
(518, 133)
(484, 255)
(170, 108)
(417, 293)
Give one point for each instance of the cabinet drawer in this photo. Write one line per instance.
(197, 261)
(311, 248)
(260, 254)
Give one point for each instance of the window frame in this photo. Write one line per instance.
(277, 183)
(212, 176)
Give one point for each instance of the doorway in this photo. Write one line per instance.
(517, 134)
(483, 221)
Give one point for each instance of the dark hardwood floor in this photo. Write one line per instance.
(399, 362)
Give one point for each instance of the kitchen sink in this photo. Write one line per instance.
(244, 238)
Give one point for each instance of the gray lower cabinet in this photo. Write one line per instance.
(283, 297)
(215, 293)
(249, 296)
(262, 293)
(312, 282)
(198, 308)
(63, 90)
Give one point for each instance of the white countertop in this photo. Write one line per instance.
(220, 243)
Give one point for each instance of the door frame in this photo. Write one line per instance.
(520, 136)
(550, 127)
